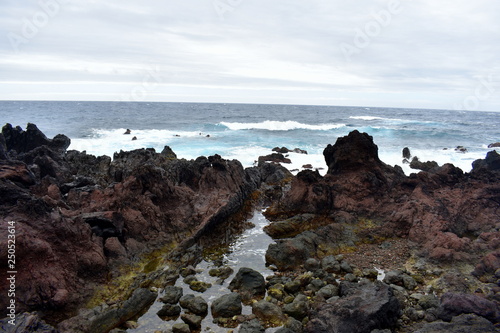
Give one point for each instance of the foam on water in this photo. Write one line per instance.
(280, 126)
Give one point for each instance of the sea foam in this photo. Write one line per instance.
(272, 125)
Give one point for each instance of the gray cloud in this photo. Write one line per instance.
(399, 53)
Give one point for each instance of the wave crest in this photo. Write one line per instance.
(272, 125)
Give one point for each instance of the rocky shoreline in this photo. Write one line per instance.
(99, 238)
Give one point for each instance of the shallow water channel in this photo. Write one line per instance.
(247, 250)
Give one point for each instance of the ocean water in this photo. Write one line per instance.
(247, 131)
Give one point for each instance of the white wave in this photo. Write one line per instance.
(107, 142)
(273, 125)
(462, 161)
(370, 118)
(367, 118)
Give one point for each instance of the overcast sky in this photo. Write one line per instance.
(419, 54)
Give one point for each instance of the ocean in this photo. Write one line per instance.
(247, 131)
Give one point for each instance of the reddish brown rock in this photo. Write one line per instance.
(442, 212)
(79, 216)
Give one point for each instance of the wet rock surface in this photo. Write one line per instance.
(249, 284)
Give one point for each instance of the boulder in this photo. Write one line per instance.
(454, 304)
(494, 145)
(312, 264)
(268, 313)
(406, 153)
(227, 306)
(275, 158)
(169, 310)
(181, 328)
(195, 304)
(192, 320)
(465, 323)
(248, 283)
(289, 254)
(362, 308)
(330, 265)
(351, 153)
(298, 309)
(252, 326)
(282, 150)
(424, 166)
(490, 164)
(171, 295)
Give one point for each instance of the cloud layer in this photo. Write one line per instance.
(392, 53)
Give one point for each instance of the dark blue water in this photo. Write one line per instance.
(245, 131)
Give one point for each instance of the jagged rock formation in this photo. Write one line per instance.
(449, 218)
(79, 217)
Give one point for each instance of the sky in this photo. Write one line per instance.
(388, 53)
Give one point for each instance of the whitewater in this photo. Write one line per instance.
(247, 131)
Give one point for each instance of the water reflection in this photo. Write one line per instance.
(245, 250)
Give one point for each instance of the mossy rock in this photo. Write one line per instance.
(199, 286)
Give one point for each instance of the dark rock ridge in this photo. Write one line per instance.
(80, 217)
(275, 158)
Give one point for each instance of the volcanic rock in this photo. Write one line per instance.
(195, 304)
(268, 313)
(380, 201)
(25, 141)
(26, 323)
(84, 216)
(172, 295)
(424, 166)
(227, 306)
(362, 308)
(275, 158)
(248, 283)
(406, 153)
(465, 323)
(252, 326)
(454, 304)
(111, 317)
